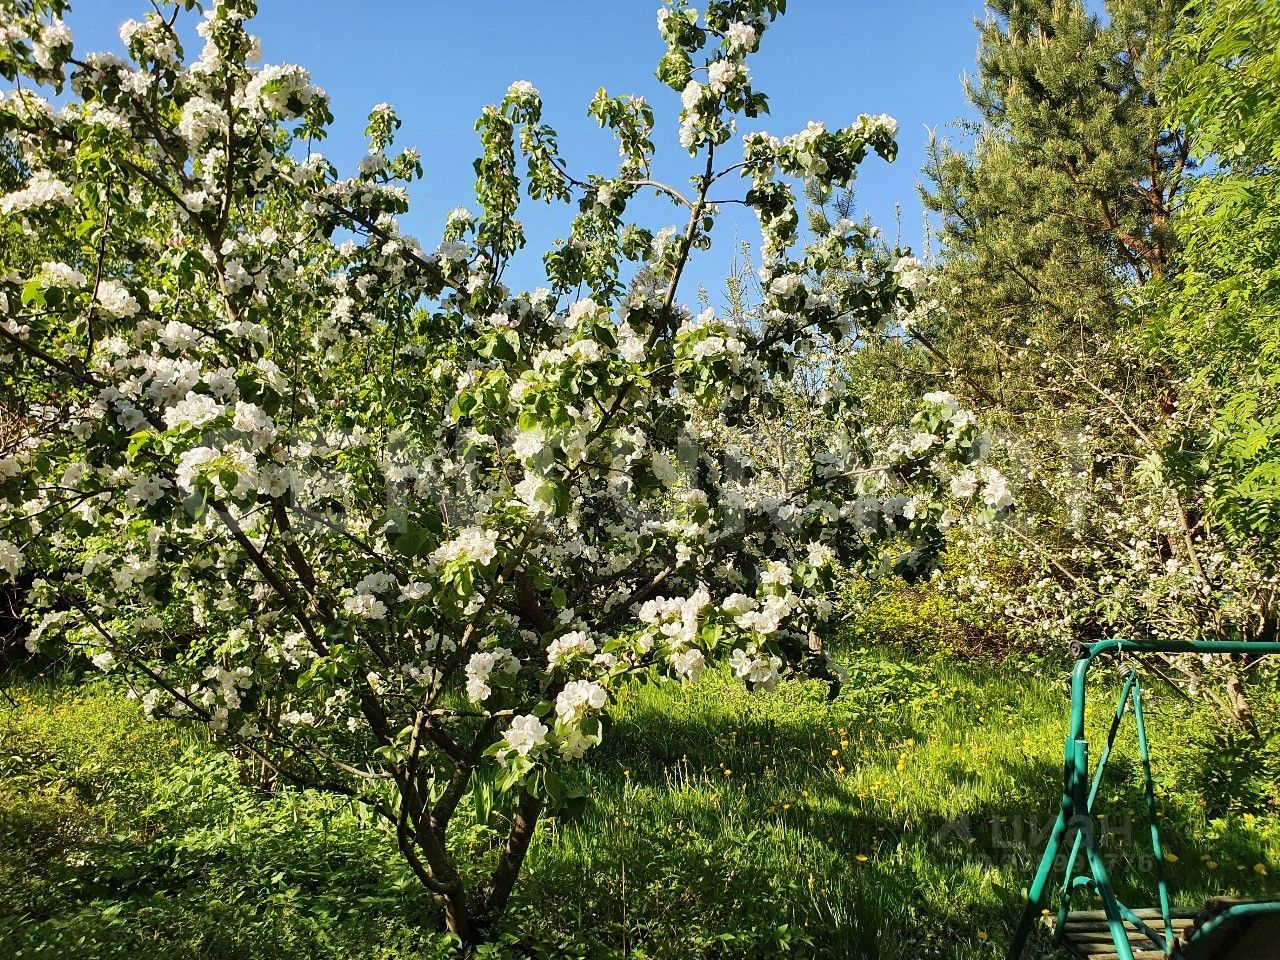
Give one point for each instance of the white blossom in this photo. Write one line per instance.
(526, 735)
(115, 301)
(578, 698)
(11, 559)
(762, 671)
(195, 410)
(573, 644)
(474, 544)
(480, 668)
(740, 37)
(42, 189)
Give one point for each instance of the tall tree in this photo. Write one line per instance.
(397, 530)
(1066, 198)
(1217, 321)
(1055, 230)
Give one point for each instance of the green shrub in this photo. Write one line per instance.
(919, 619)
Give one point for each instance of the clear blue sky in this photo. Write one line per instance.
(440, 61)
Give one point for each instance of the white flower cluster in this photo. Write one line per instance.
(577, 702)
(481, 668)
(523, 90)
(282, 90)
(364, 600)
(675, 623)
(51, 45)
(879, 126)
(569, 646)
(525, 735)
(151, 37)
(472, 544)
(193, 410)
(741, 37)
(115, 301)
(760, 670)
(11, 558)
(42, 189)
(219, 693)
(578, 698)
(762, 618)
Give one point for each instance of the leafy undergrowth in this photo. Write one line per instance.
(901, 820)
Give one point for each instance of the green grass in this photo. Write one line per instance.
(894, 822)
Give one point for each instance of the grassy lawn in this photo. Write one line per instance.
(899, 821)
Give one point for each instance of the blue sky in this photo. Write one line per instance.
(440, 61)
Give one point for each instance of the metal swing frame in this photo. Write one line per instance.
(1079, 792)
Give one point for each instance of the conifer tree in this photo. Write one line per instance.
(1065, 202)
(1058, 230)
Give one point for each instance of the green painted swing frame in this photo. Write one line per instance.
(1079, 792)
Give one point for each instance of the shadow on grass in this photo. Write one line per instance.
(740, 819)
(724, 825)
(724, 816)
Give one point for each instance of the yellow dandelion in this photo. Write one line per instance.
(1260, 869)
(1171, 857)
(862, 858)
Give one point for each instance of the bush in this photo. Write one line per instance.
(922, 619)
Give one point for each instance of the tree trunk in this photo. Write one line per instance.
(458, 919)
(508, 869)
(466, 917)
(1241, 711)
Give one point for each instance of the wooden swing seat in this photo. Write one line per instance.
(1087, 936)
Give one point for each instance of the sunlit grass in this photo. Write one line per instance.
(901, 820)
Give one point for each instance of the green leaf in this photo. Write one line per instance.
(32, 293)
(139, 442)
(195, 504)
(464, 404)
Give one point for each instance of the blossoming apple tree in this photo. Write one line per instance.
(372, 517)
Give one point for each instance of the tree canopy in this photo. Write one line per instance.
(373, 517)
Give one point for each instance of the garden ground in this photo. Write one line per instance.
(899, 821)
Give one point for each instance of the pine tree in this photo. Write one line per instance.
(1064, 205)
